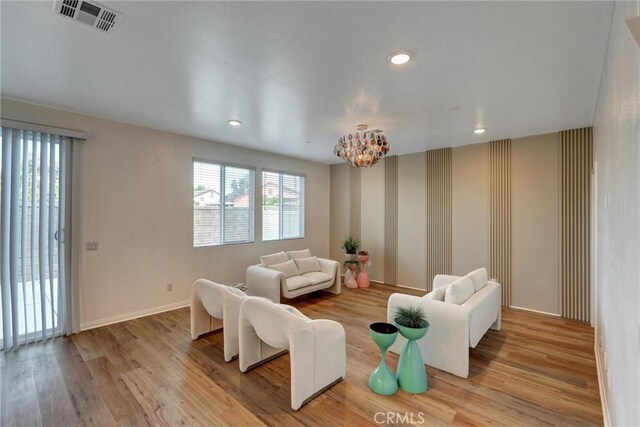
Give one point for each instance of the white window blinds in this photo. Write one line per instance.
(33, 223)
(282, 206)
(223, 204)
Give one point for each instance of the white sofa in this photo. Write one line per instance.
(214, 306)
(291, 274)
(453, 328)
(317, 348)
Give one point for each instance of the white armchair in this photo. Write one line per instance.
(317, 347)
(453, 328)
(266, 281)
(213, 306)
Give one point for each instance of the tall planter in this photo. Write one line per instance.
(411, 373)
(382, 380)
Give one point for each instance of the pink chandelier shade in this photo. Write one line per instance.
(362, 149)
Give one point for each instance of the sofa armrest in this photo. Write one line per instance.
(264, 282)
(443, 280)
(332, 268)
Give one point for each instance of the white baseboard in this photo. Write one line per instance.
(601, 369)
(134, 315)
(535, 311)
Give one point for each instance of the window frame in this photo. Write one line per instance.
(303, 203)
(252, 215)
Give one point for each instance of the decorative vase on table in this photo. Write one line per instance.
(382, 380)
(411, 373)
(363, 276)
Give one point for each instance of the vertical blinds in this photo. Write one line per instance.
(282, 206)
(223, 204)
(33, 220)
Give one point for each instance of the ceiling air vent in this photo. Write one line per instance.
(90, 13)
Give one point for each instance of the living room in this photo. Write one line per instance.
(179, 141)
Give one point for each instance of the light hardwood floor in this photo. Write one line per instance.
(538, 370)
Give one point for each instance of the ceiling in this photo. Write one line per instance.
(294, 72)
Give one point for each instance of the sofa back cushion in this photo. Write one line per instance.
(287, 268)
(479, 277)
(437, 294)
(307, 265)
(305, 253)
(459, 291)
(277, 258)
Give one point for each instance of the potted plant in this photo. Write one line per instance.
(363, 275)
(350, 246)
(350, 278)
(413, 325)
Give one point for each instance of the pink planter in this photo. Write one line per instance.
(363, 277)
(351, 282)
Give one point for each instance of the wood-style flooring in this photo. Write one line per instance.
(538, 370)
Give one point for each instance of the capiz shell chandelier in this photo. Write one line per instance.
(362, 149)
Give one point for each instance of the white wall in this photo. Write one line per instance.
(535, 225)
(372, 218)
(138, 195)
(411, 224)
(617, 153)
(469, 208)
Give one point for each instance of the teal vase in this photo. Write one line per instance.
(382, 380)
(411, 374)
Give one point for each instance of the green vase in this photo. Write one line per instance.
(411, 374)
(382, 380)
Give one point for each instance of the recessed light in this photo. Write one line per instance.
(399, 58)
(480, 131)
(234, 122)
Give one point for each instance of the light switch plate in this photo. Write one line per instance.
(92, 246)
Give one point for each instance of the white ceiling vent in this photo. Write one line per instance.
(90, 13)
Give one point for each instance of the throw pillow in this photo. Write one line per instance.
(276, 258)
(438, 293)
(479, 278)
(307, 265)
(305, 253)
(287, 268)
(459, 291)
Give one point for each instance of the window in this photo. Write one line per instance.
(282, 206)
(223, 208)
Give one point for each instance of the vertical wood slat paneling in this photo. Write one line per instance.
(438, 214)
(576, 157)
(354, 202)
(500, 215)
(390, 219)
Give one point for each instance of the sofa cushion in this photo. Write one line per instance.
(305, 253)
(287, 268)
(276, 258)
(317, 277)
(479, 278)
(307, 265)
(437, 294)
(459, 291)
(297, 282)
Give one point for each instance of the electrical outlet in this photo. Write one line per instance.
(169, 287)
(368, 263)
(92, 246)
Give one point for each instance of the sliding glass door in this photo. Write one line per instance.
(33, 220)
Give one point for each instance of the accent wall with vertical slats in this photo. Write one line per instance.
(500, 215)
(390, 219)
(576, 157)
(354, 202)
(438, 214)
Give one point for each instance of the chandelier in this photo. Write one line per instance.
(362, 149)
